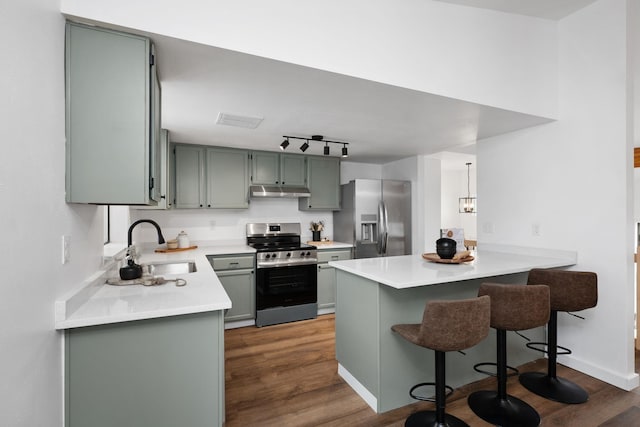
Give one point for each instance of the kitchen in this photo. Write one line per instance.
(33, 367)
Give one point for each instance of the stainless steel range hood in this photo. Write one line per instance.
(278, 191)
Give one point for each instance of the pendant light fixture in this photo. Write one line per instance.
(467, 204)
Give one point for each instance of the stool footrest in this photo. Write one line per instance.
(537, 346)
(477, 367)
(428, 399)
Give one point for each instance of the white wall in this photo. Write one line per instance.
(574, 179)
(434, 47)
(34, 215)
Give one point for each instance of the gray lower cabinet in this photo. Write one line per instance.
(162, 372)
(112, 117)
(237, 275)
(323, 180)
(327, 276)
(211, 177)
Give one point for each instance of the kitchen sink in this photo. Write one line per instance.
(172, 268)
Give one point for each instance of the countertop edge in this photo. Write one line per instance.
(559, 259)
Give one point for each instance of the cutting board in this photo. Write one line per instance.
(165, 250)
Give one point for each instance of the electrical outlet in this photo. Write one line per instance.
(487, 227)
(66, 251)
(535, 229)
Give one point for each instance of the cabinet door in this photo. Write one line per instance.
(108, 113)
(227, 178)
(265, 168)
(323, 179)
(292, 169)
(326, 286)
(155, 161)
(239, 285)
(190, 176)
(163, 176)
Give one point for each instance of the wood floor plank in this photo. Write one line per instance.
(286, 376)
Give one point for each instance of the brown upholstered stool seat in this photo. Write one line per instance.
(447, 325)
(513, 308)
(569, 291)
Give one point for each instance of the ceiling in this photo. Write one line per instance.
(380, 122)
(547, 9)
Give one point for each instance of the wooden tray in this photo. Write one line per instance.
(322, 242)
(435, 258)
(165, 250)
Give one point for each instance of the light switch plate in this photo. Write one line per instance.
(66, 252)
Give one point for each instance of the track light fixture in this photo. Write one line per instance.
(319, 138)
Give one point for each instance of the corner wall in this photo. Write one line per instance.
(34, 215)
(573, 180)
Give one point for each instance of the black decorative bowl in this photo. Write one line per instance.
(445, 248)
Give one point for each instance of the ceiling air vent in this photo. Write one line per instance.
(238, 121)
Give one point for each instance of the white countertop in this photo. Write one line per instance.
(409, 271)
(97, 303)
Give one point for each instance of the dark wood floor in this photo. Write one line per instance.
(286, 376)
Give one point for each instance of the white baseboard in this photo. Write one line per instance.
(626, 382)
(365, 394)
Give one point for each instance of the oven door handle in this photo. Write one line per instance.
(226, 273)
(287, 264)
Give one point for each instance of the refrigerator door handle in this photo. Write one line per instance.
(385, 236)
(379, 243)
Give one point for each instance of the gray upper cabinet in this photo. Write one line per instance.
(112, 133)
(323, 180)
(293, 169)
(268, 168)
(211, 177)
(189, 176)
(227, 178)
(163, 175)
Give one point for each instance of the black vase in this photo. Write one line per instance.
(446, 248)
(316, 236)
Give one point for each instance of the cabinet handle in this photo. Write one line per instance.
(200, 205)
(208, 206)
(334, 257)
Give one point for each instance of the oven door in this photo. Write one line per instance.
(286, 286)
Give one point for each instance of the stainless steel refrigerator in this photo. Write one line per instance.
(375, 217)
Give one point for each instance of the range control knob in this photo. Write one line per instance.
(308, 253)
(267, 256)
(274, 256)
(288, 254)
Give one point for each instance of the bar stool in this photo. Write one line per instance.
(569, 291)
(513, 308)
(447, 325)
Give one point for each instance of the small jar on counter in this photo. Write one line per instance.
(183, 240)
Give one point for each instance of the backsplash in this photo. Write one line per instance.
(228, 224)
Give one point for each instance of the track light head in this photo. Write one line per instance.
(345, 152)
(304, 146)
(284, 144)
(326, 149)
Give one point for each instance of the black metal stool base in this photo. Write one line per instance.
(557, 389)
(428, 419)
(503, 412)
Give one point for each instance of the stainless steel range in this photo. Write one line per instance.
(286, 277)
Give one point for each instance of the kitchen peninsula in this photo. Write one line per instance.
(375, 293)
